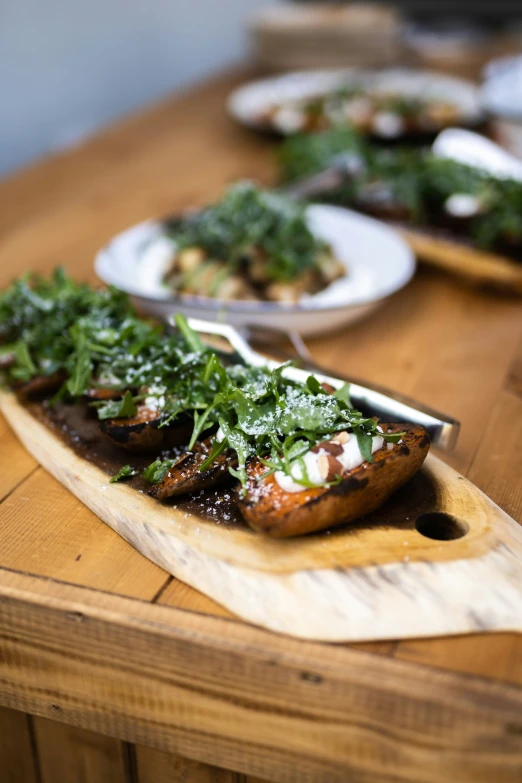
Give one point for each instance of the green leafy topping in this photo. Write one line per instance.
(96, 340)
(117, 409)
(192, 338)
(413, 183)
(24, 368)
(157, 470)
(247, 217)
(125, 472)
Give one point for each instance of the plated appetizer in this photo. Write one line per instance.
(416, 188)
(379, 113)
(252, 245)
(167, 413)
(386, 105)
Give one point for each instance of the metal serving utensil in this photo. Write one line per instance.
(375, 400)
(341, 170)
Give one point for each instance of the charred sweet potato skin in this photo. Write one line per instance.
(40, 385)
(185, 476)
(269, 509)
(142, 433)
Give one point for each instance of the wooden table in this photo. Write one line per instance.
(110, 670)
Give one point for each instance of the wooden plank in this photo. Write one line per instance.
(182, 596)
(15, 462)
(17, 764)
(45, 530)
(154, 766)
(71, 755)
(239, 698)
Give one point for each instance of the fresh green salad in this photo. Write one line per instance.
(252, 244)
(415, 186)
(84, 340)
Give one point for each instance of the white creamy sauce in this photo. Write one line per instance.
(289, 119)
(387, 124)
(350, 458)
(462, 205)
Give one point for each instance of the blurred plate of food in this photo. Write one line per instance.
(458, 204)
(501, 97)
(388, 105)
(260, 259)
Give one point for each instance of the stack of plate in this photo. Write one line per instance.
(320, 35)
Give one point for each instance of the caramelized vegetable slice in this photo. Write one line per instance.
(185, 476)
(102, 393)
(269, 509)
(142, 432)
(40, 385)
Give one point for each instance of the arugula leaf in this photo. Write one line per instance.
(365, 443)
(78, 383)
(24, 368)
(117, 409)
(313, 384)
(157, 470)
(343, 394)
(125, 472)
(193, 339)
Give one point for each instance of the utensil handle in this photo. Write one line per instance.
(379, 401)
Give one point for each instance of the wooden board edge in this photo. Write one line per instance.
(352, 604)
(477, 266)
(171, 679)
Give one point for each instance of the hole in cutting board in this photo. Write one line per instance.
(440, 526)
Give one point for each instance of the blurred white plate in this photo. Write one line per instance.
(377, 260)
(475, 150)
(247, 103)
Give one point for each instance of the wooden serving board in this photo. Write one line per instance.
(479, 267)
(439, 558)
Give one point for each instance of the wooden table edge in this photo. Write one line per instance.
(64, 649)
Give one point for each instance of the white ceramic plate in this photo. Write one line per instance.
(247, 103)
(377, 260)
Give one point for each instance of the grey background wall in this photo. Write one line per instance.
(67, 67)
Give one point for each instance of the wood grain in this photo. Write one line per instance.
(46, 530)
(183, 596)
(153, 766)
(71, 755)
(256, 703)
(20, 463)
(17, 764)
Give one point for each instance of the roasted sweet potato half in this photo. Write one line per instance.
(269, 509)
(40, 386)
(103, 393)
(142, 433)
(185, 476)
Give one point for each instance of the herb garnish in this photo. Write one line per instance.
(97, 340)
(248, 217)
(414, 180)
(125, 472)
